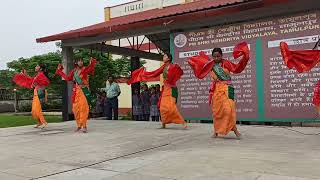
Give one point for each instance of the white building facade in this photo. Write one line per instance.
(132, 8)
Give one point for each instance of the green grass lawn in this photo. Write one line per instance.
(11, 120)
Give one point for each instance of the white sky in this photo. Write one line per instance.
(22, 21)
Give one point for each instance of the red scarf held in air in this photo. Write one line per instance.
(174, 73)
(301, 60)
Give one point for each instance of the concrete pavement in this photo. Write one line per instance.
(128, 150)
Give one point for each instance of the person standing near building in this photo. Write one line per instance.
(158, 89)
(112, 104)
(158, 93)
(100, 104)
(154, 110)
(104, 97)
(145, 102)
(136, 105)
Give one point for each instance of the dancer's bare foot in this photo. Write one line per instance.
(237, 133)
(37, 126)
(215, 135)
(43, 125)
(163, 126)
(185, 125)
(78, 129)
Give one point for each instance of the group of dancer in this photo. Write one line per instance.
(221, 94)
(80, 91)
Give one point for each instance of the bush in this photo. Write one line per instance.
(54, 105)
(25, 106)
(128, 116)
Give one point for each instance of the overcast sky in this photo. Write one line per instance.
(22, 21)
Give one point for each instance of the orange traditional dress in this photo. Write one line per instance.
(221, 94)
(81, 97)
(167, 104)
(39, 82)
(302, 61)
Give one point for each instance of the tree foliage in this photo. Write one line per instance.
(107, 66)
(51, 60)
(5, 79)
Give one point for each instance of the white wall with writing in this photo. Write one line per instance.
(140, 6)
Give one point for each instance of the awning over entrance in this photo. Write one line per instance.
(129, 22)
(157, 24)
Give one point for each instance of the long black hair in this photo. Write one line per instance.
(219, 50)
(76, 62)
(316, 45)
(44, 69)
(170, 57)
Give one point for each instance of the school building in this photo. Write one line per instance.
(267, 91)
(138, 42)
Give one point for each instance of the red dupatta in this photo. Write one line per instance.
(84, 73)
(301, 60)
(202, 64)
(23, 80)
(142, 75)
(174, 73)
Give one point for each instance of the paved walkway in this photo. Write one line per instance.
(127, 150)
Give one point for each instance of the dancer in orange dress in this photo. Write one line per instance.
(303, 61)
(221, 91)
(81, 97)
(171, 74)
(38, 83)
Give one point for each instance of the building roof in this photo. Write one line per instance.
(121, 23)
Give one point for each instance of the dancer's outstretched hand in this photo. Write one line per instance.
(23, 71)
(60, 67)
(93, 60)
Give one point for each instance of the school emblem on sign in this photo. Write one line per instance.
(180, 40)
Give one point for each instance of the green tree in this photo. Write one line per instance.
(6, 79)
(51, 60)
(106, 67)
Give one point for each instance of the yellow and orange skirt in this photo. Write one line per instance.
(168, 109)
(80, 107)
(223, 109)
(36, 110)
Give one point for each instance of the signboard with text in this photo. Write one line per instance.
(267, 89)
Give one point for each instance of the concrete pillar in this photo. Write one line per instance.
(135, 64)
(67, 62)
